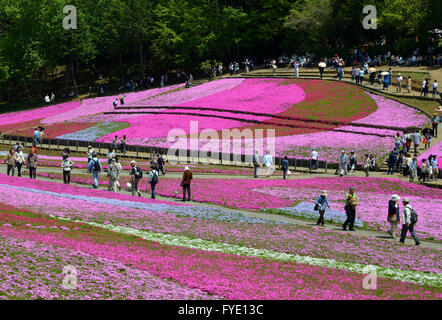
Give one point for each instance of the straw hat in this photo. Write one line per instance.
(133, 162)
(395, 197)
(406, 200)
(324, 193)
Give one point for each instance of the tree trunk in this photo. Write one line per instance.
(123, 76)
(141, 57)
(74, 82)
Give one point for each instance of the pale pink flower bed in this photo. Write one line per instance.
(104, 104)
(193, 93)
(38, 113)
(391, 113)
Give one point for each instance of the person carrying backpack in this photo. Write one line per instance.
(153, 179)
(187, 178)
(135, 176)
(409, 219)
(112, 174)
(95, 168)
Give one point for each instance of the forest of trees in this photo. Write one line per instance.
(122, 38)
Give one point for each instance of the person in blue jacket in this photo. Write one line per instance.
(322, 203)
(95, 168)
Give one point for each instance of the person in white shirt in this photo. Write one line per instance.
(435, 85)
(47, 99)
(407, 224)
(399, 79)
(268, 160)
(67, 164)
(424, 83)
(19, 160)
(314, 155)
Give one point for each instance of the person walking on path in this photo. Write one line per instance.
(393, 215)
(153, 179)
(386, 82)
(187, 178)
(409, 219)
(123, 142)
(413, 169)
(340, 72)
(352, 163)
(409, 84)
(90, 152)
(343, 164)
(424, 83)
(119, 171)
(320, 204)
(66, 165)
(435, 124)
(95, 168)
(19, 160)
(423, 171)
(367, 165)
(351, 201)
(160, 162)
(390, 77)
(112, 174)
(392, 159)
(10, 162)
(435, 167)
(285, 167)
(314, 156)
(32, 164)
(256, 164)
(114, 143)
(399, 79)
(36, 136)
(435, 86)
(416, 140)
(110, 155)
(296, 71)
(135, 176)
(268, 161)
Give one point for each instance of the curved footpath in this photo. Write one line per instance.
(301, 222)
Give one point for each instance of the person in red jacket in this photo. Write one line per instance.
(187, 178)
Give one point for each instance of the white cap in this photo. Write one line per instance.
(186, 168)
(133, 162)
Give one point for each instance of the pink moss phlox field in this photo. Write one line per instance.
(193, 93)
(391, 113)
(231, 276)
(104, 104)
(373, 199)
(253, 95)
(40, 275)
(38, 113)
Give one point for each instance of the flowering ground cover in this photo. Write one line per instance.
(92, 133)
(223, 270)
(391, 113)
(373, 195)
(53, 130)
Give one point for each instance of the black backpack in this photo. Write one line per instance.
(154, 177)
(138, 173)
(96, 165)
(413, 218)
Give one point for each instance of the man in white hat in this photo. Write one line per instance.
(408, 222)
(187, 178)
(321, 204)
(393, 215)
